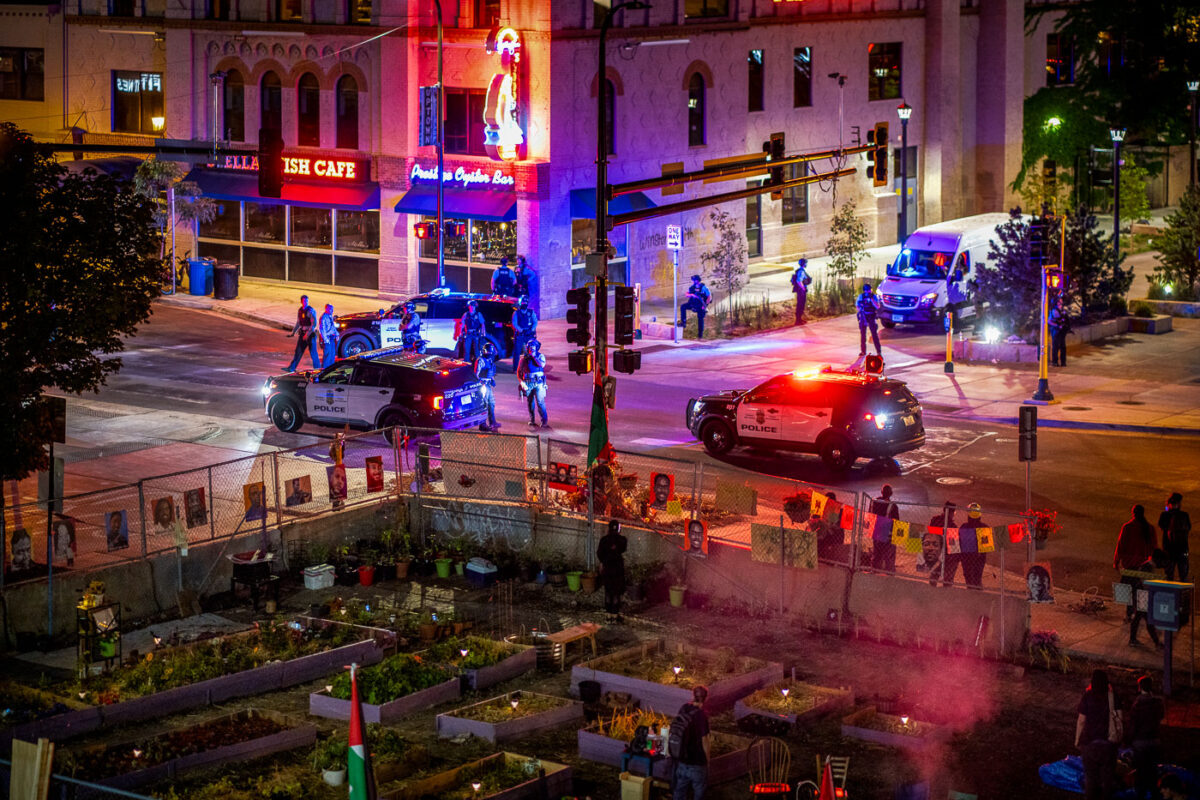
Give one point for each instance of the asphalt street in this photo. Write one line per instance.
(189, 394)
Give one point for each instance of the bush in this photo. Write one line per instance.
(1142, 309)
(1118, 306)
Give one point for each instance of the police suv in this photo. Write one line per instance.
(843, 416)
(441, 312)
(379, 389)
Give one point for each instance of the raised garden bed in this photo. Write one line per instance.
(487, 662)
(508, 716)
(279, 655)
(646, 672)
(238, 737)
(891, 730)
(400, 685)
(801, 702)
(501, 776)
(604, 742)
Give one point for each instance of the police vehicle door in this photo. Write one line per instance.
(809, 410)
(369, 391)
(760, 414)
(327, 399)
(438, 327)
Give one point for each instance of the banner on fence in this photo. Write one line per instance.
(799, 547)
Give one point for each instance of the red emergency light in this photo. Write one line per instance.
(425, 230)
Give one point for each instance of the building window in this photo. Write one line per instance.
(883, 70)
(696, 110)
(137, 102)
(121, 8)
(358, 231)
(359, 12)
(754, 81)
(486, 242)
(310, 227)
(219, 9)
(289, 10)
(227, 224)
(583, 240)
(795, 200)
(610, 116)
(265, 223)
(235, 107)
(487, 13)
(308, 111)
(347, 113)
(463, 126)
(1111, 53)
(705, 8)
(270, 102)
(802, 77)
(1060, 60)
(22, 74)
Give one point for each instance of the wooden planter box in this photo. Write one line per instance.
(668, 699)
(554, 781)
(727, 766)
(854, 727)
(449, 725)
(511, 667)
(320, 704)
(289, 739)
(834, 699)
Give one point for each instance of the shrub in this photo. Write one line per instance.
(1142, 309)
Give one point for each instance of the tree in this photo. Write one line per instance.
(81, 267)
(847, 241)
(1178, 246)
(1095, 279)
(727, 258)
(1007, 286)
(1134, 204)
(152, 180)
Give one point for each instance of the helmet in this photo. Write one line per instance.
(974, 510)
(504, 261)
(802, 262)
(866, 286)
(471, 304)
(696, 277)
(410, 306)
(523, 301)
(533, 344)
(488, 347)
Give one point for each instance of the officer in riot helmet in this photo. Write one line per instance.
(470, 332)
(485, 371)
(524, 322)
(531, 377)
(867, 310)
(410, 336)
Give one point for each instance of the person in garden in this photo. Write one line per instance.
(611, 556)
(1096, 736)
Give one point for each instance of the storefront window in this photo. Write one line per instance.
(227, 224)
(264, 223)
(455, 246)
(583, 240)
(491, 241)
(310, 267)
(358, 231)
(310, 227)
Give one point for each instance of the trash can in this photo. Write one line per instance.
(200, 275)
(225, 283)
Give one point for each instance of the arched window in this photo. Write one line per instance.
(610, 114)
(308, 110)
(696, 110)
(270, 102)
(347, 113)
(235, 107)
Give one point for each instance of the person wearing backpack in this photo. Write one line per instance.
(688, 745)
(800, 283)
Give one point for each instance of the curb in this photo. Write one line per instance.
(1112, 427)
(198, 304)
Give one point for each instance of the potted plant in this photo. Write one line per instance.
(329, 758)
(404, 552)
(366, 571)
(1044, 525)
(108, 644)
(555, 567)
(587, 582)
(427, 628)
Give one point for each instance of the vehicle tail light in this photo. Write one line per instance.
(438, 402)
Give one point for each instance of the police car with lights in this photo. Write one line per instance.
(441, 312)
(843, 416)
(378, 389)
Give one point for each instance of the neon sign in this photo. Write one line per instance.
(462, 177)
(503, 138)
(344, 169)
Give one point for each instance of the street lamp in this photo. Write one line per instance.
(1192, 87)
(904, 111)
(1118, 136)
(441, 153)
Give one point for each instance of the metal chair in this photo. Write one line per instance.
(807, 790)
(770, 759)
(838, 766)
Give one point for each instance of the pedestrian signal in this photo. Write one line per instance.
(425, 230)
(579, 315)
(624, 316)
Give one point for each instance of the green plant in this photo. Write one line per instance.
(726, 260)
(481, 652)
(395, 676)
(1044, 648)
(331, 753)
(502, 708)
(1177, 276)
(1140, 308)
(847, 241)
(1007, 284)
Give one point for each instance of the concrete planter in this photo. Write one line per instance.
(665, 698)
(449, 725)
(1158, 324)
(320, 704)
(1023, 353)
(1176, 308)
(727, 766)
(511, 667)
(855, 726)
(829, 701)
(553, 780)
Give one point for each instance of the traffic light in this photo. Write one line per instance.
(627, 361)
(425, 230)
(579, 315)
(624, 321)
(1054, 280)
(774, 150)
(580, 361)
(1027, 432)
(270, 162)
(454, 228)
(879, 156)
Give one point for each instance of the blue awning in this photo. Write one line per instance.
(233, 185)
(460, 203)
(583, 203)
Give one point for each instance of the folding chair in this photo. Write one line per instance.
(770, 759)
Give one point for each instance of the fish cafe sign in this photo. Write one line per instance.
(305, 167)
(491, 179)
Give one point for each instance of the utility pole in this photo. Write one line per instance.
(441, 151)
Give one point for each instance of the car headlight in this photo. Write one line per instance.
(267, 386)
(929, 299)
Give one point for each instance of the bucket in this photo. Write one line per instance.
(443, 567)
(459, 567)
(573, 581)
(366, 576)
(677, 593)
(589, 691)
(549, 654)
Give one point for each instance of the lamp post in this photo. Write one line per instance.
(601, 253)
(904, 111)
(1118, 136)
(1192, 87)
(441, 151)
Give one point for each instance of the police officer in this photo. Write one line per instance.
(504, 282)
(526, 280)
(470, 332)
(306, 327)
(485, 371)
(800, 282)
(524, 322)
(329, 336)
(531, 375)
(1058, 325)
(956, 296)
(698, 299)
(410, 329)
(867, 307)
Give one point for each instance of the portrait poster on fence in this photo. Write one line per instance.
(696, 541)
(484, 466)
(336, 475)
(64, 541)
(374, 466)
(254, 496)
(22, 550)
(662, 489)
(562, 476)
(116, 527)
(195, 507)
(164, 514)
(1038, 583)
(299, 491)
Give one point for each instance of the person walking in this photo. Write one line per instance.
(524, 322)
(329, 336)
(1058, 325)
(306, 329)
(699, 298)
(1132, 614)
(1136, 542)
(504, 282)
(972, 563)
(1175, 524)
(1145, 717)
(694, 746)
(610, 554)
(1095, 735)
(531, 377)
(470, 332)
(526, 281)
(867, 310)
(485, 371)
(800, 282)
(883, 556)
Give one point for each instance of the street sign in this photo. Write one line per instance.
(429, 116)
(674, 237)
(1027, 432)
